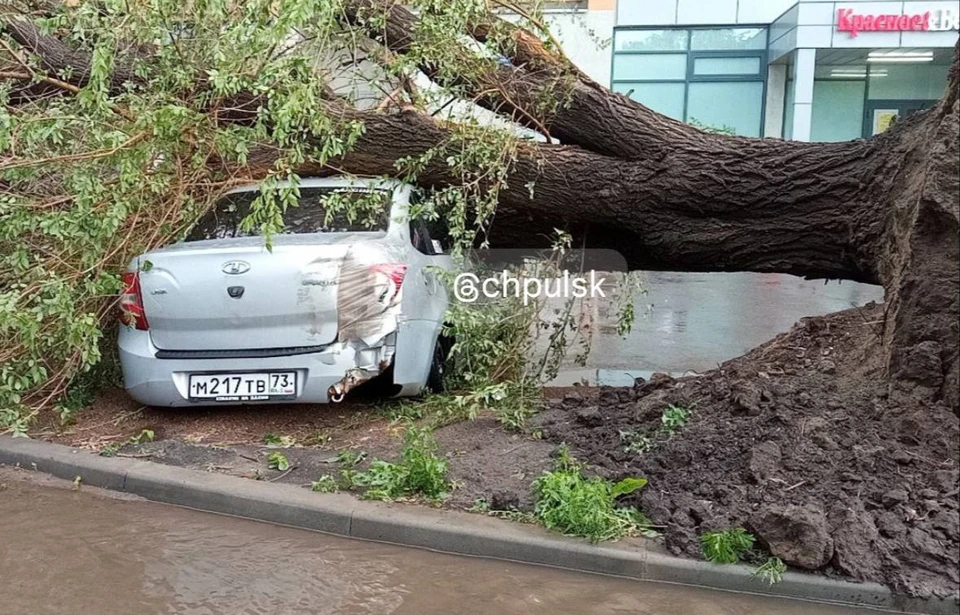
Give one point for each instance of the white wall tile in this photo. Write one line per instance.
(646, 12)
(816, 13)
(762, 11)
(697, 12)
(783, 45)
(814, 36)
(929, 39)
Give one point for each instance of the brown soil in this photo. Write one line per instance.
(802, 421)
(484, 460)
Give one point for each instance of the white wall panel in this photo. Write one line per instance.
(697, 12)
(646, 12)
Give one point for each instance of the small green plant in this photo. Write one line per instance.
(420, 471)
(350, 459)
(673, 418)
(723, 129)
(278, 461)
(318, 438)
(771, 571)
(79, 395)
(407, 411)
(111, 449)
(480, 505)
(273, 440)
(146, 435)
(726, 546)
(348, 478)
(636, 441)
(324, 484)
(571, 503)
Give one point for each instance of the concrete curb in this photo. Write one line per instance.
(446, 531)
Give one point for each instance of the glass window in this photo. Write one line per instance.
(665, 98)
(737, 105)
(907, 81)
(726, 66)
(319, 210)
(837, 110)
(729, 38)
(652, 66)
(650, 40)
(713, 75)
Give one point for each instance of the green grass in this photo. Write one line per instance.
(273, 440)
(771, 571)
(671, 421)
(350, 459)
(421, 472)
(324, 484)
(726, 546)
(512, 403)
(577, 505)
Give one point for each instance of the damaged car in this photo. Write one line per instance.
(347, 294)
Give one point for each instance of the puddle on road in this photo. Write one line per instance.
(695, 321)
(77, 552)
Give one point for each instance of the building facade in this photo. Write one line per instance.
(809, 70)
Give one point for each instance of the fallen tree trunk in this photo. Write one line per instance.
(668, 196)
(671, 197)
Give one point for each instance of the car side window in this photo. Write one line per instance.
(420, 238)
(439, 233)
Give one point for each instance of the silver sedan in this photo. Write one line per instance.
(341, 299)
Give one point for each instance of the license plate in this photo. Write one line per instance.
(243, 387)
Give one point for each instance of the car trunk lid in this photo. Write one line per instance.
(234, 294)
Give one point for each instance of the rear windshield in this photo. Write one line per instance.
(320, 210)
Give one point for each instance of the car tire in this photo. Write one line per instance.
(435, 378)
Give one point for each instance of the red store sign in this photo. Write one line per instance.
(938, 21)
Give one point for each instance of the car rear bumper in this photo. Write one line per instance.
(163, 382)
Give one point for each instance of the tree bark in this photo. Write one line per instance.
(671, 197)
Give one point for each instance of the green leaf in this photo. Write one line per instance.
(627, 486)
(278, 461)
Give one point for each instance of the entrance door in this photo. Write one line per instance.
(881, 114)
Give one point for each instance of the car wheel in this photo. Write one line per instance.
(435, 378)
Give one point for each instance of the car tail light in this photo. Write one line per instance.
(395, 272)
(131, 303)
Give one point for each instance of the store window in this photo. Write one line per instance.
(710, 76)
(838, 98)
(907, 82)
(851, 101)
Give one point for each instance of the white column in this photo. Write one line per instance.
(803, 94)
(773, 107)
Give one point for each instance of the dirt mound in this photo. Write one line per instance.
(798, 442)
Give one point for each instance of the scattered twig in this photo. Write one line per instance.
(276, 478)
(792, 487)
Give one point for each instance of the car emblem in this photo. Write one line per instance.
(235, 291)
(235, 267)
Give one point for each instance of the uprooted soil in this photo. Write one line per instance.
(798, 442)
